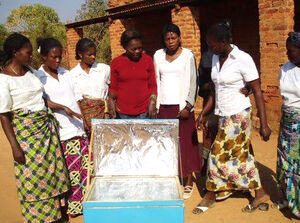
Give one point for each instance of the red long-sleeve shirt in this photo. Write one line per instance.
(133, 82)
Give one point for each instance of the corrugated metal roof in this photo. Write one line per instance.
(131, 10)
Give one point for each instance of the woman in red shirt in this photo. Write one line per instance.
(133, 90)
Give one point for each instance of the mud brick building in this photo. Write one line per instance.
(260, 27)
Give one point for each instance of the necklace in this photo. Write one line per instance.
(12, 69)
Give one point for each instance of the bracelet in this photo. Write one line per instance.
(153, 97)
(188, 108)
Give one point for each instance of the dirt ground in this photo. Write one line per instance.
(225, 211)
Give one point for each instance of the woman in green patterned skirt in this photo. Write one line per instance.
(41, 174)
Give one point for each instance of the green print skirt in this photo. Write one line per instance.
(43, 180)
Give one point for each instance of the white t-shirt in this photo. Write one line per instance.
(170, 73)
(289, 79)
(238, 69)
(61, 92)
(95, 84)
(21, 92)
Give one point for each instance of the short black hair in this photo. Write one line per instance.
(294, 38)
(170, 27)
(82, 46)
(12, 44)
(129, 35)
(220, 32)
(46, 44)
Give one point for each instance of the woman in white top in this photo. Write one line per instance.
(231, 166)
(91, 81)
(41, 174)
(288, 155)
(58, 87)
(176, 73)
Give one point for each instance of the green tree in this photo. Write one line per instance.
(97, 32)
(36, 21)
(3, 35)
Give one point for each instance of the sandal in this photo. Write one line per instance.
(250, 208)
(282, 204)
(188, 191)
(201, 209)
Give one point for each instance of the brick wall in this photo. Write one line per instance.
(276, 21)
(149, 25)
(187, 20)
(244, 18)
(73, 36)
(297, 16)
(115, 31)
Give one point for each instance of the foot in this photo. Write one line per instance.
(188, 191)
(259, 202)
(73, 215)
(280, 204)
(260, 199)
(204, 205)
(250, 208)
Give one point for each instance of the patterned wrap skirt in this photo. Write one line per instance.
(43, 180)
(76, 152)
(92, 108)
(231, 166)
(288, 158)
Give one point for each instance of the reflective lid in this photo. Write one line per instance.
(130, 147)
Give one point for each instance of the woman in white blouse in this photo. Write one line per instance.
(176, 76)
(231, 165)
(91, 81)
(41, 174)
(58, 87)
(288, 151)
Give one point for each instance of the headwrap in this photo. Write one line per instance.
(294, 38)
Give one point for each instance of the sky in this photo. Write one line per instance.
(66, 9)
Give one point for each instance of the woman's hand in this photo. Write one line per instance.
(200, 122)
(106, 115)
(112, 109)
(112, 105)
(152, 111)
(86, 127)
(245, 91)
(72, 114)
(18, 154)
(265, 133)
(183, 114)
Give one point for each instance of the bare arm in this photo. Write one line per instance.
(260, 104)
(18, 153)
(112, 106)
(56, 106)
(208, 107)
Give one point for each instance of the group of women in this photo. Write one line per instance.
(46, 115)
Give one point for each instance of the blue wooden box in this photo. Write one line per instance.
(136, 173)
